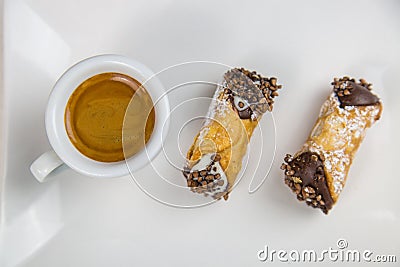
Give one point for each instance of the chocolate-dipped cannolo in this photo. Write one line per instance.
(215, 157)
(318, 172)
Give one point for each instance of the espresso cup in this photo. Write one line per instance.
(66, 152)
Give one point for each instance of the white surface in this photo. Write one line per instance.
(79, 221)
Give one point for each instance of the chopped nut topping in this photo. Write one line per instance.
(296, 180)
(207, 180)
(305, 190)
(257, 91)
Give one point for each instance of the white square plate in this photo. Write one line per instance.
(78, 221)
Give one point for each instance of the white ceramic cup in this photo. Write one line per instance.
(65, 152)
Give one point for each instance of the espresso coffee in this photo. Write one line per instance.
(94, 117)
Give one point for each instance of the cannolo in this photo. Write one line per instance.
(215, 157)
(318, 172)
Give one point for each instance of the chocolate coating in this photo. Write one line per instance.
(359, 96)
(307, 171)
(245, 114)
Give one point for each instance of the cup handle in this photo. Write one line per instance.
(45, 164)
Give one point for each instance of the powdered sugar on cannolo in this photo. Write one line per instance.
(325, 159)
(238, 104)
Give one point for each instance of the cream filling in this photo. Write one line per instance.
(203, 163)
(237, 100)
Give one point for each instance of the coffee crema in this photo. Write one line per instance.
(94, 117)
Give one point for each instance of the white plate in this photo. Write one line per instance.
(78, 221)
(190, 88)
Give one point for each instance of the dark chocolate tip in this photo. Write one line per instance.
(245, 114)
(258, 91)
(351, 93)
(306, 177)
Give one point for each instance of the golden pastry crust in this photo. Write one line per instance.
(226, 135)
(336, 137)
(238, 105)
(318, 172)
